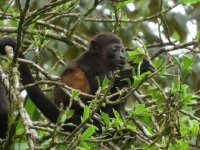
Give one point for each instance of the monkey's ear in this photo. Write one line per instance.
(93, 45)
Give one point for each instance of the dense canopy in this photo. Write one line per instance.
(163, 106)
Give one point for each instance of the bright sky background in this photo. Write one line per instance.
(191, 25)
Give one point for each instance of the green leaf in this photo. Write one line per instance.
(198, 36)
(132, 128)
(139, 108)
(142, 76)
(11, 9)
(118, 121)
(122, 4)
(106, 118)
(117, 115)
(86, 113)
(31, 26)
(189, 1)
(136, 55)
(75, 93)
(105, 83)
(178, 63)
(63, 117)
(136, 80)
(141, 51)
(157, 63)
(194, 126)
(84, 145)
(188, 97)
(184, 89)
(187, 62)
(88, 133)
(139, 77)
(175, 85)
(66, 115)
(98, 80)
(180, 145)
(60, 53)
(163, 71)
(150, 148)
(23, 145)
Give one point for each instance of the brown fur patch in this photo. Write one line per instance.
(77, 79)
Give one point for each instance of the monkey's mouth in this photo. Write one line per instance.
(121, 64)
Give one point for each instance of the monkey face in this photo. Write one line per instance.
(115, 56)
(110, 50)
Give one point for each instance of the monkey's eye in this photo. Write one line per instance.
(115, 49)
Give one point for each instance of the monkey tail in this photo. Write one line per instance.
(34, 92)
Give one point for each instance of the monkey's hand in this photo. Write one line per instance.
(145, 66)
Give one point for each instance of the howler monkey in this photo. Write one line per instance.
(105, 54)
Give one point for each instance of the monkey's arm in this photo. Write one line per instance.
(35, 93)
(145, 66)
(127, 74)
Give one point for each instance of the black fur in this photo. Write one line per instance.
(4, 107)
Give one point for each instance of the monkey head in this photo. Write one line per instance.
(110, 49)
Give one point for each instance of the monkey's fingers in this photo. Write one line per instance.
(146, 66)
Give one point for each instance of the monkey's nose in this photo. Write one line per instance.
(122, 57)
(123, 60)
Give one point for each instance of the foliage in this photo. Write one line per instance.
(189, 1)
(163, 107)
